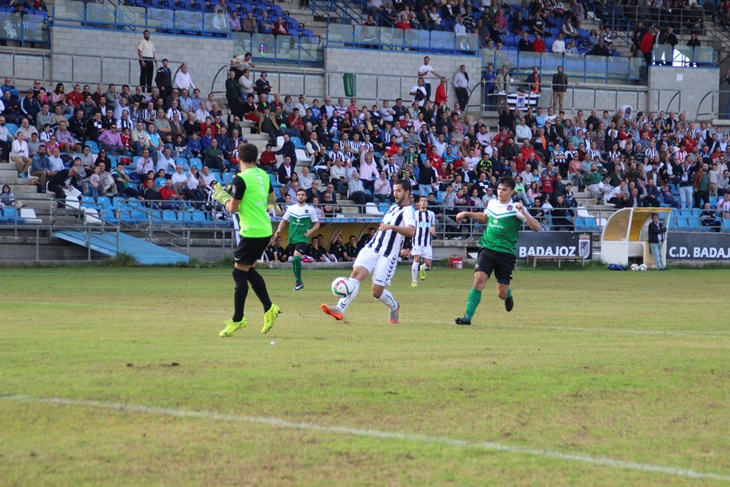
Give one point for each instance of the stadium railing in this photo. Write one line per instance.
(577, 68)
(305, 51)
(30, 31)
(624, 17)
(162, 20)
(683, 56)
(390, 38)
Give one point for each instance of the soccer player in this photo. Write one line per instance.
(379, 256)
(499, 245)
(425, 229)
(303, 222)
(251, 191)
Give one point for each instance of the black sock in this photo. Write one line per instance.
(239, 295)
(259, 287)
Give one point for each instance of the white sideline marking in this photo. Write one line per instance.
(370, 433)
(618, 331)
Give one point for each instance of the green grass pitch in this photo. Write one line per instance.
(595, 378)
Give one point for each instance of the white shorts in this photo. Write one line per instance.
(380, 268)
(425, 252)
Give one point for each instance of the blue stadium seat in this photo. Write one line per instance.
(200, 219)
(297, 142)
(197, 163)
(170, 217)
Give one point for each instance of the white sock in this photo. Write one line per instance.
(414, 271)
(425, 267)
(387, 299)
(343, 303)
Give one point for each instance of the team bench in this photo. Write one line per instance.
(553, 258)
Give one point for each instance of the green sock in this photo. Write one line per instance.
(297, 267)
(472, 302)
(509, 293)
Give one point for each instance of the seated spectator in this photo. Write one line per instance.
(172, 200)
(249, 24)
(275, 252)
(708, 218)
(356, 192)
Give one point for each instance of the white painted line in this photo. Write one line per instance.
(370, 433)
(618, 331)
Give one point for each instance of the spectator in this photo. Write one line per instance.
(249, 24)
(172, 200)
(559, 44)
(560, 86)
(163, 79)
(183, 80)
(279, 28)
(356, 192)
(147, 60)
(20, 155)
(657, 233)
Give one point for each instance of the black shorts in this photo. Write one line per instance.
(500, 263)
(300, 247)
(250, 250)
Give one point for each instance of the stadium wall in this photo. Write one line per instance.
(26, 65)
(693, 83)
(98, 56)
(389, 75)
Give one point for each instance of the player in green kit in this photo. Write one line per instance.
(303, 222)
(252, 191)
(499, 246)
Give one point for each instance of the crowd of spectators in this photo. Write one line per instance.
(119, 141)
(145, 145)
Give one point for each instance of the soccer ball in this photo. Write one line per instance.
(643, 267)
(634, 267)
(341, 287)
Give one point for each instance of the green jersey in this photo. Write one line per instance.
(301, 219)
(252, 188)
(502, 227)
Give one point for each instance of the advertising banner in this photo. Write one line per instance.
(558, 244)
(698, 246)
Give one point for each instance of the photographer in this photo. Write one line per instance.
(419, 93)
(657, 232)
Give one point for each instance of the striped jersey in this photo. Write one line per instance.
(388, 243)
(425, 220)
(503, 226)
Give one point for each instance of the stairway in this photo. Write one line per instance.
(27, 194)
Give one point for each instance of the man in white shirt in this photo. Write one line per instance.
(19, 154)
(386, 113)
(183, 80)
(419, 92)
(305, 179)
(201, 113)
(523, 131)
(559, 44)
(461, 85)
(165, 162)
(426, 72)
(301, 105)
(55, 163)
(147, 60)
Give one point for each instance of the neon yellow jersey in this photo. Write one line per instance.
(252, 188)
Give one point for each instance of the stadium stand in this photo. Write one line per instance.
(440, 149)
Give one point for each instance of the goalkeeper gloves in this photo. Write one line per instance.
(220, 194)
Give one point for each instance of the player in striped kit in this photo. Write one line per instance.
(425, 230)
(379, 257)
